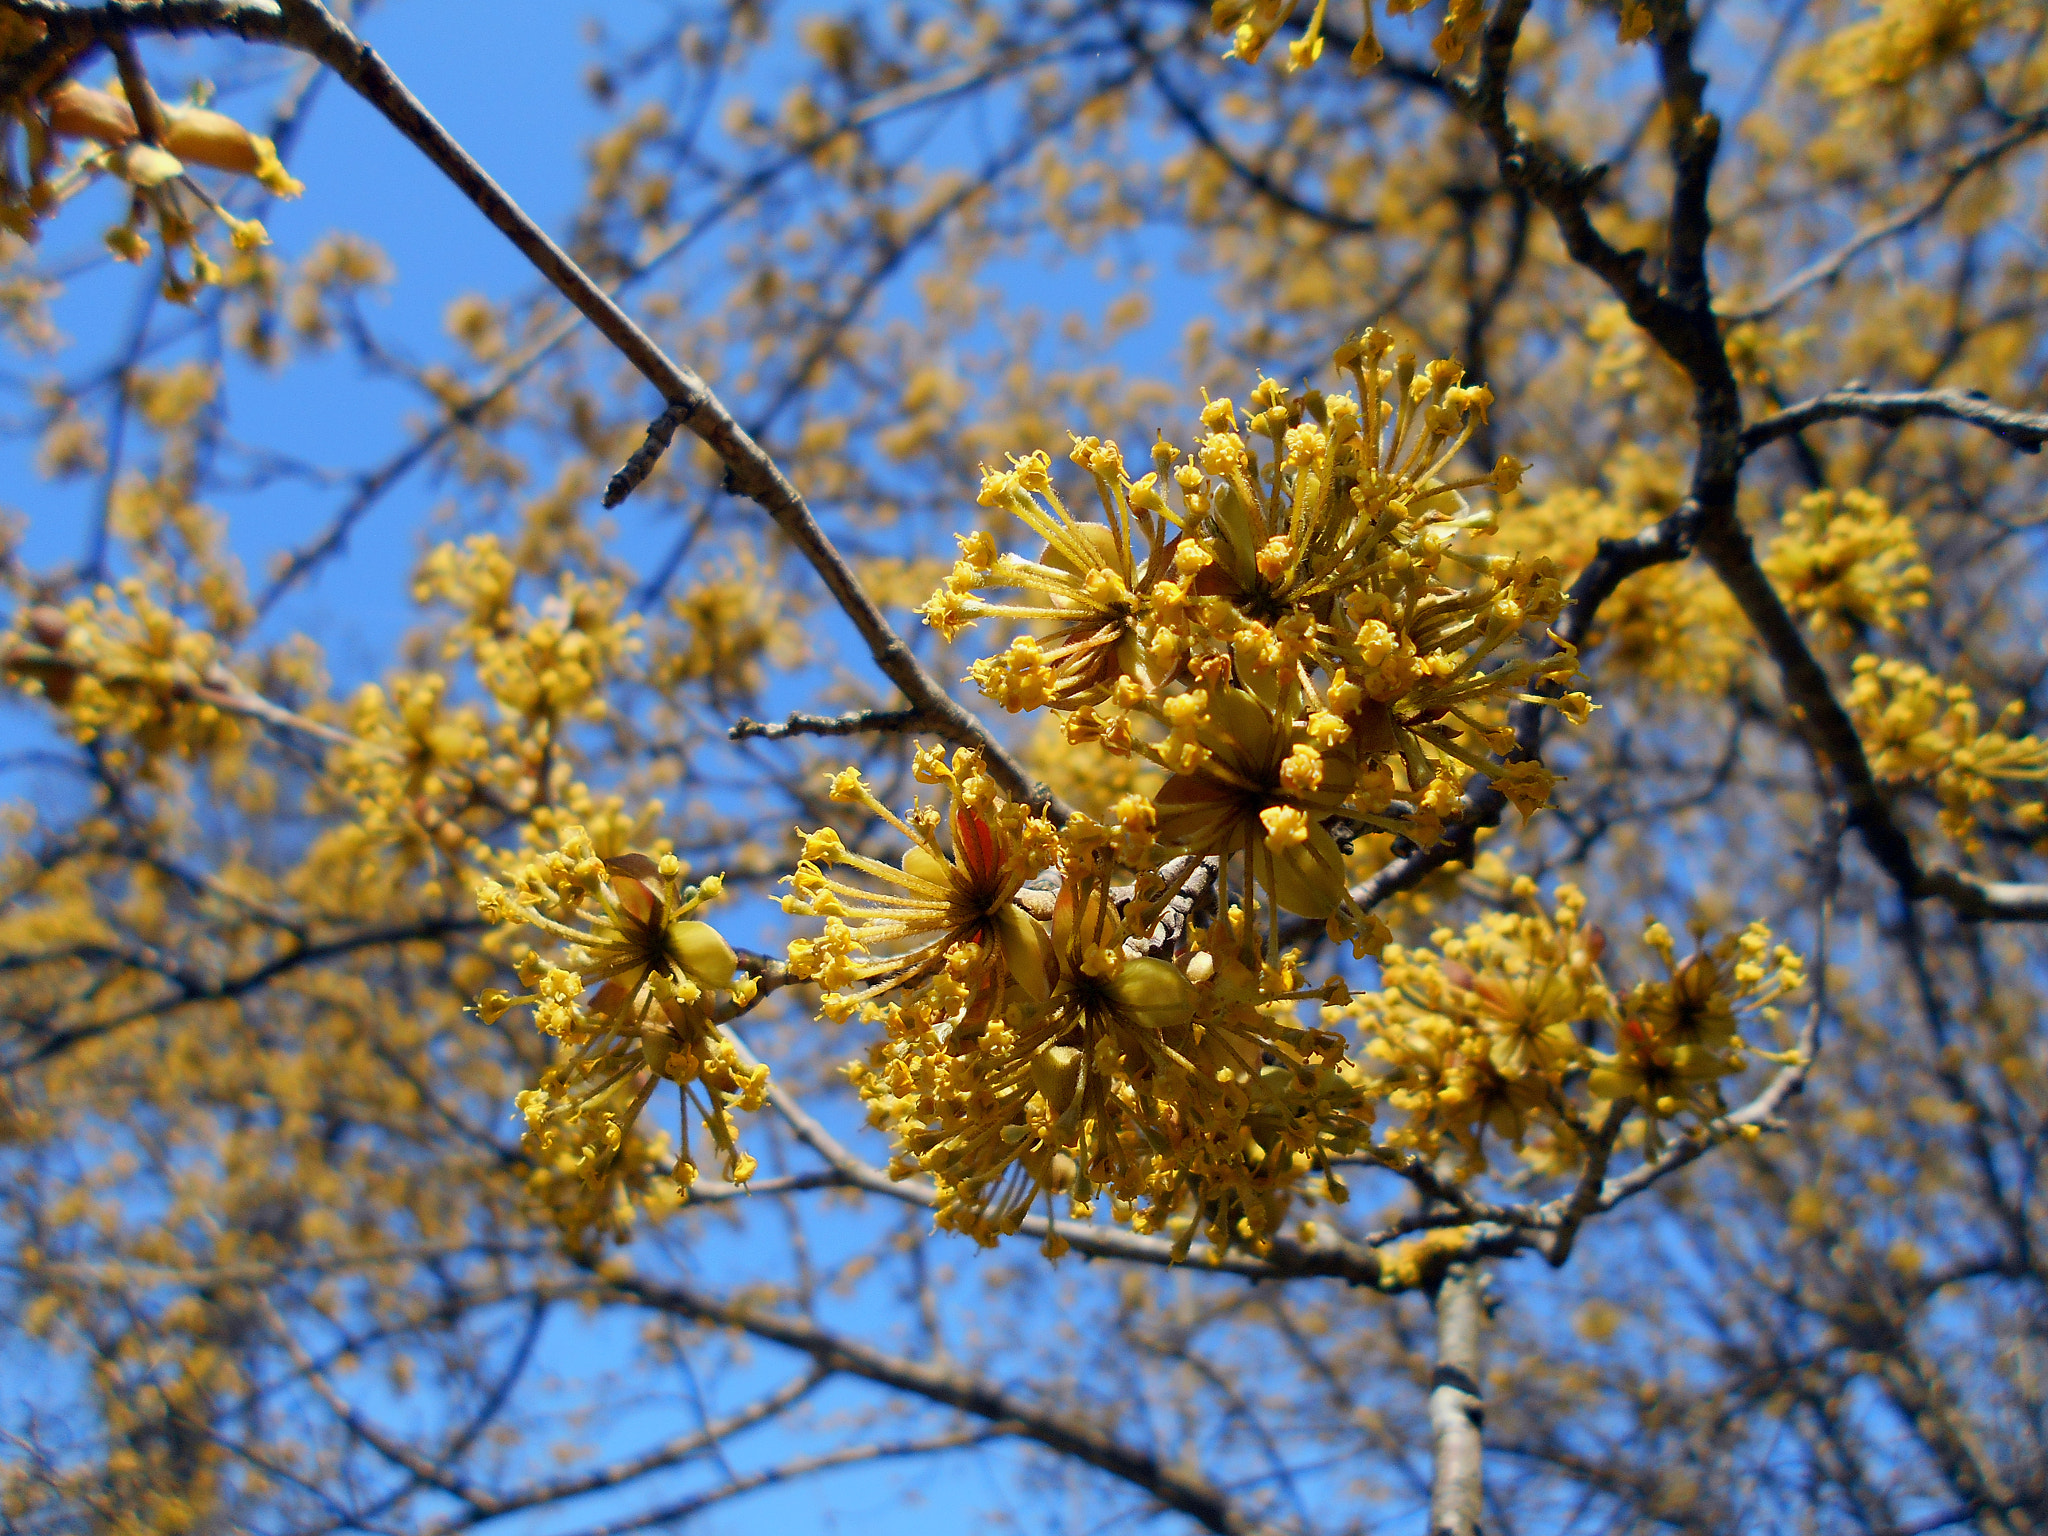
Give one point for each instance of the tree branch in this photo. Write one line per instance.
(1185, 1492)
(1457, 1406)
(859, 723)
(2025, 430)
(1829, 267)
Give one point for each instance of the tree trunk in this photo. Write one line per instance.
(1456, 1410)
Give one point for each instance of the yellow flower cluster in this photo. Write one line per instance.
(547, 668)
(126, 671)
(162, 187)
(1311, 635)
(1494, 1029)
(1904, 38)
(416, 763)
(1047, 1049)
(1918, 729)
(665, 981)
(1850, 563)
(733, 623)
(948, 898)
(1251, 24)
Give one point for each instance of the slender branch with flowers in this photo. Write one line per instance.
(1200, 927)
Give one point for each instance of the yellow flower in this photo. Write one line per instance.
(1678, 1036)
(1482, 1033)
(949, 910)
(1918, 729)
(1849, 562)
(1128, 1078)
(660, 973)
(1091, 578)
(1250, 799)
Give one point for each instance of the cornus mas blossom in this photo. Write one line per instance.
(152, 152)
(943, 931)
(1308, 639)
(1850, 563)
(1921, 730)
(127, 670)
(1251, 25)
(664, 978)
(1024, 1057)
(1312, 634)
(1494, 1030)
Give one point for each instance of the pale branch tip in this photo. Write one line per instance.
(1987, 901)
(859, 723)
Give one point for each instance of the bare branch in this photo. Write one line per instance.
(2025, 430)
(1182, 1490)
(149, 113)
(1829, 267)
(1273, 191)
(674, 1515)
(859, 723)
(1457, 1406)
(562, 325)
(191, 990)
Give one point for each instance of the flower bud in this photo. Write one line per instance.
(1153, 994)
(80, 112)
(1056, 1073)
(701, 950)
(144, 165)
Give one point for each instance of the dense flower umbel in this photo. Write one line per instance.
(1919, 729)
(661, 975)
(1093, 581)
(1493, 1029)
(128, 670)
(1678, 1036)
(1312, 635)
(1850, 562)
(1158, 1082)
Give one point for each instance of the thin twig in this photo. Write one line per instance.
(2025, 430)
(149, 116)
(1181, 1489)
(859, 723)
(1829, 267)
